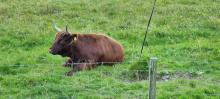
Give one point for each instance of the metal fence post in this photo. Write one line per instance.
(152, 78)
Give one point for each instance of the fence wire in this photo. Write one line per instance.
(77, 63)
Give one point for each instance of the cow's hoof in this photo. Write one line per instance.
(70, 73)
(66, 65)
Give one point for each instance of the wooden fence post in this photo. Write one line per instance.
(152, 78)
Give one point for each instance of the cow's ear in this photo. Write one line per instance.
(74, 36)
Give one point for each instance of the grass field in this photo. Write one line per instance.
(184, 35)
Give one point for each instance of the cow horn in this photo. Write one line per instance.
(66, 29)
(56, 28)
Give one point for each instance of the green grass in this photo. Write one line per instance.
(184, 35)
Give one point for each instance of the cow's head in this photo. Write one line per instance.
(63, 41)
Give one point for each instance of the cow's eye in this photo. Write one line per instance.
(59, 41)
(62, 42)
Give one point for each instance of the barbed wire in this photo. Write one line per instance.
(77, 63)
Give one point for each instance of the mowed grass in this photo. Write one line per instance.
(184, 35)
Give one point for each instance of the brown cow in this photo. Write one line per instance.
(86, 49)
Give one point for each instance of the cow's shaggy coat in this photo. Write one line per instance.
(86, 49)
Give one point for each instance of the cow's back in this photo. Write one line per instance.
(112, 50)
(100, 48)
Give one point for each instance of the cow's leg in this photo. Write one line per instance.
(83, 66)
(68, 63)
(71, 62)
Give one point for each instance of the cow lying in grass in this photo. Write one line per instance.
(86, 50)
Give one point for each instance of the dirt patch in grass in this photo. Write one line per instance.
(132, 76)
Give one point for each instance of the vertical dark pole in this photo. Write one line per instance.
(148, 26)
